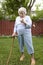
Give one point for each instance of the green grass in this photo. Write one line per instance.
(5, 45)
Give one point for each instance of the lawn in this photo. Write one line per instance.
(5, 45)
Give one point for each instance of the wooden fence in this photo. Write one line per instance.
(6, 27)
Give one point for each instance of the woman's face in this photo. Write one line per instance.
(22, 14)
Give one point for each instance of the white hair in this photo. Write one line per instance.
(22, 9)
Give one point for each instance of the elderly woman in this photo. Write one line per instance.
(22, 27)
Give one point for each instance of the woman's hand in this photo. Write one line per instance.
(23, 21)
(14, 34)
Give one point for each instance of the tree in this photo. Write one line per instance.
(37, 7)
(30, 5)
(11, 6)
(39, 13)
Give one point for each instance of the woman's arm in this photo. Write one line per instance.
(27, 22)
(15, 30)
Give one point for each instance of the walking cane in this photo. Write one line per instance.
(10, 50)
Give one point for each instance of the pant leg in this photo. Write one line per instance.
(21, 43)
(28, 41)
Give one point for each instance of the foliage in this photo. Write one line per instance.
(11, 6)
(39, 15)
(10, 9)
(1, 15)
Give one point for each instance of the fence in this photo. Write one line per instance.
(38, 29)
(6, 27)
